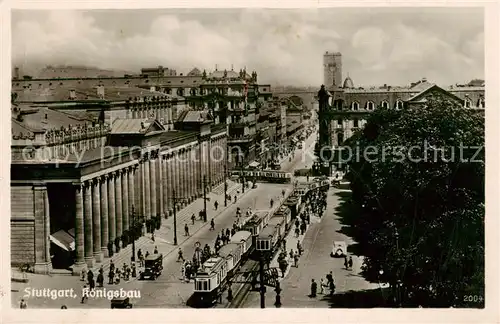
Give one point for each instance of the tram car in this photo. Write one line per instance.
(257, 222)
(270, 234)
(232, 253)
(278, 221)
(209, 281)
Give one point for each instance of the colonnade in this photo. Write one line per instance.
(104, 203)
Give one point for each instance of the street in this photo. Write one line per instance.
(315, 263)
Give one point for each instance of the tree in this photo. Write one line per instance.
(418, 178)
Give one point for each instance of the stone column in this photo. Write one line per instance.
(176, 186)
(104, 216)
(87, 208)
(152, 177)
(118, 204)
(125, 200)
(170, 183)
(79, 231)
(142, 191)
(131, 191)
(182, 178)
(96, 217)
(147, 191)
(111, 209)
(197, 170)
(164, 184)
(42, 229)
(189, 164)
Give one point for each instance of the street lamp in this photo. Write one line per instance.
(175, 200)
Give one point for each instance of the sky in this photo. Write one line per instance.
(393, 46)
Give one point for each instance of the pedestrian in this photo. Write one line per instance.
(350, 263)
(147, 254)
(296, 260)
(283, 192)
(186, 230)
(271, 203)
(297, 231)
(90, 279)
(100, 279)
(153, 237)
(346, 264)
(192, 219)
(23, 304)
(111, 275)
(235, 199)
(321, 286)
(291, 254)
(180, 256)
(118, 276)
(314, 288)
(212, 225)
(83, 274)
(228, 234)
(156, 250)
(216, 204)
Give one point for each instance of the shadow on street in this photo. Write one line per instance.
(359, 299)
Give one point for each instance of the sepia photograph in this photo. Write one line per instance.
(213, 158)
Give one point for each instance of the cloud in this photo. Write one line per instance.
(283, 46)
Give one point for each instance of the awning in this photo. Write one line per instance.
(254, 164)
(64, 240)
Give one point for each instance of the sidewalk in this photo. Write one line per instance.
(291, 243)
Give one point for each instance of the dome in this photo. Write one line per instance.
(348, 83)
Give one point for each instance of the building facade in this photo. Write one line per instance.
(345, 108)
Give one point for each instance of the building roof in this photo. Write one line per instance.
(194, 72)
(195, 116)
(42, 118)
(433, 88)
(135, 126)
(60, 94)
(218, 74)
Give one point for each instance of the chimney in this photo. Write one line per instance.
(100, 91)
(72, 94)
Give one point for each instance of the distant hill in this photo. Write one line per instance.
(52, 72)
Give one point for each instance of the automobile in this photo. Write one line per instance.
(339, 249)
(121, 302)
(152, 267)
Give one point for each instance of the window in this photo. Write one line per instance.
(355, 106)
(467, 103)
(370, 105)
(385, 104)
(399, 104)
(182, 81)
(339, 122)
(355, 123)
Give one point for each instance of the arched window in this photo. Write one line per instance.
(370, 105)
(355, 105)
(467, 103)
(399, 104)
(384, 104)
(480, 103)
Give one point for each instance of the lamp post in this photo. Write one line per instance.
(175, 200)
(398, 282)
(225, 185)
(205, 198)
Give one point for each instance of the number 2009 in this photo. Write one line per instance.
(473, 298)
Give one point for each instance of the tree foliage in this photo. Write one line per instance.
(418, 177)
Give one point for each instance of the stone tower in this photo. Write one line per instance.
(332, 66)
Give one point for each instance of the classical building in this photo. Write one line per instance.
(344, 107)
(74, 173)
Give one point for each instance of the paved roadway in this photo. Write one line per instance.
(315, 264)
